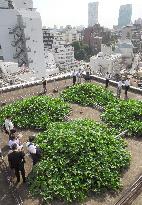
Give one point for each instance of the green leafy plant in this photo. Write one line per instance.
(78, 157)
(88, 94)
(35, 112)
(125, 115)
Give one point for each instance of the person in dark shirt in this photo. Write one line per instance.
(16, 161)
(44, 85)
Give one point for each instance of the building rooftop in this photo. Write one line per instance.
(10, 96)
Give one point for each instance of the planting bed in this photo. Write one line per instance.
(134, 147)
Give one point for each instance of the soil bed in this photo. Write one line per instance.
(134, 146)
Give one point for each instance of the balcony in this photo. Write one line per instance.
(27, 38)
(30, 60)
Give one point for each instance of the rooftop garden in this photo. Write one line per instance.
(81, 156)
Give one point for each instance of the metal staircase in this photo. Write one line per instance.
(19, 43)
(10, 4)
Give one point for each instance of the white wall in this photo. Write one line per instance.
(4, 3)
(23, 4)
(49, 59)
(33, 30)
(8, 20)
(106, 64)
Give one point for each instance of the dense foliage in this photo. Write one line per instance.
(78, 157)
(88, 94)
(35, 112)
(125, 115)
(81, 51)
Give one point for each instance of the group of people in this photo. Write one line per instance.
(77, 75)
(119, 85)
(16, 155)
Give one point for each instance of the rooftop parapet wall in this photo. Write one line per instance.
(62, 77)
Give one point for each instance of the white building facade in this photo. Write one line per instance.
(105, 62)
(21, 39)
(56, 44)
(93, 13)
(72, 36)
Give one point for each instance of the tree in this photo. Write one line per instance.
(81, 51)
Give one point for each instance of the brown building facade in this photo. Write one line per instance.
(95, 36)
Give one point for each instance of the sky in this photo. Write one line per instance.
(75, 12)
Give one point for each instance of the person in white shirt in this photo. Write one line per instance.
(127, 86)
(15, 140)
(79, 76)
(119, 88)
(9, 126)
(33, 150)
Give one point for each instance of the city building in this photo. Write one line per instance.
(106, 61)
(125, 48)
(127, 32)
(63, 52)
(138, 21)
(137, 37)
(21, 39)
(92, 13)
(69, 34)
(72, 35)
(125, 14)
(95, 36)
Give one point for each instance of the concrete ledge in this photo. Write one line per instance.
(33, 83)
(61, 77)
(114, 83)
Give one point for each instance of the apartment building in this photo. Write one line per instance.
(92, 13)
(125, 14)
(95, 36)
(63, 52)
(21, 39)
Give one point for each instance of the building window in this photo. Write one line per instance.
(1, 58)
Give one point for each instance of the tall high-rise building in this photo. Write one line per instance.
(125, 14)
(21, 39)
(93, 13)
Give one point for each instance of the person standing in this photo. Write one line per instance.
(9, 126)
(74, 76)
(127, 86)
(14, 140)
(34, 151)
(107, 79)
(88, 73)
(0, 153)
(16, 161)
(119, 88)
(44, 85)
(0, 150)
(79, 76)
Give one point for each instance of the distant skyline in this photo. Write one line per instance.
(75, 12)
